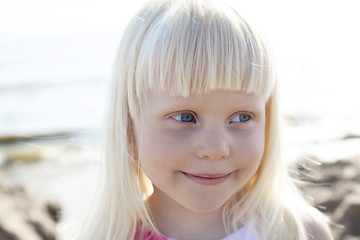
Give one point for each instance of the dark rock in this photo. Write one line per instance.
(5, 235)
(25, 216)
(351, 219)
(348, 214)
(330, 205)
(42, 231)
(334, 188)
(54, 211)
(350, 136)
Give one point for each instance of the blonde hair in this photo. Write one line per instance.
(186, 47)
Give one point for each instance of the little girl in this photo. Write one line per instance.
(193, 140)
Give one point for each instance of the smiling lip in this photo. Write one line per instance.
(208, 179)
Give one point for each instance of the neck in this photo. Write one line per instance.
(176, 221)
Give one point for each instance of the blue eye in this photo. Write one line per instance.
(184, 117)
(241, 117)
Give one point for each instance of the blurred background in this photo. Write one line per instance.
(55, 67)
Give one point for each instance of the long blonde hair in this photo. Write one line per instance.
(186, 47)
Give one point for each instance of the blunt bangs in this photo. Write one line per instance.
(193, 48)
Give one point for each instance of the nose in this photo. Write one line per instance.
(213, 144)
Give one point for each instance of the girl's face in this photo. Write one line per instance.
(200, 150)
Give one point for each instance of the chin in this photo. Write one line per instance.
(204, 206)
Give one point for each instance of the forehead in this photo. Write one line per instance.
(197, 48)
(213, 100)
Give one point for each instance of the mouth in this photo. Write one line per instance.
(207, 179)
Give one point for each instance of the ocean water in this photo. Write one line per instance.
(52, 83)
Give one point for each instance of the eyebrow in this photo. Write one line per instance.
(174, 106)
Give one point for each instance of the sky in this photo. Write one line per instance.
(65, 16)
(30, 16)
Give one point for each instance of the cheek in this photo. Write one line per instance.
(162, 150)
(250, 149)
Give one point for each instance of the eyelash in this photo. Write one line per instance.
(248, 115)
(178, 117)
(194, 120)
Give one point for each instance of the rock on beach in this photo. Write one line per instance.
(25, 216)
(334, 188)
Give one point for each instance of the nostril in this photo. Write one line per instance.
(215, 156)
(213, 153)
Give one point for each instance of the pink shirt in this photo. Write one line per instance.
(248, 232)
